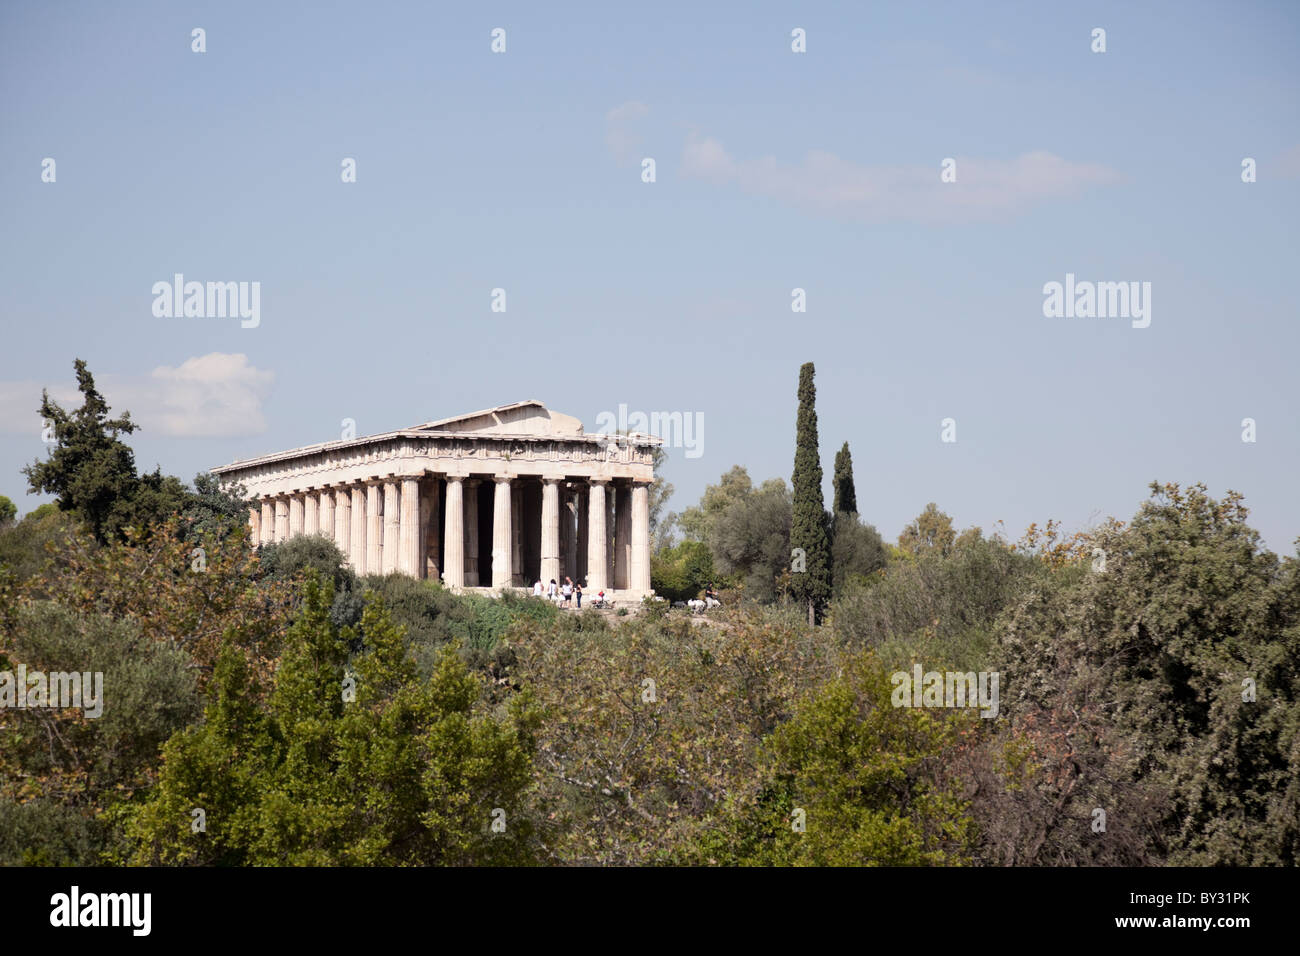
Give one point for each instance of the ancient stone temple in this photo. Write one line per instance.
(493, 499)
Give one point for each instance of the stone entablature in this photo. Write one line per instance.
(415, 453)
(555, 501)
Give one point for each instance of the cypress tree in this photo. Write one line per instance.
(846, 496)
(808, 527)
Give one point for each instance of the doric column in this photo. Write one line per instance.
(281, 520)
(343, 522)
(550, 530)
(611, 534)
(470, 547)
(408, 548)
(374, 528)
(392, 526)
(267, 534)
(516, 532)
(453, 553)
(640, 557)
(295, 516)
(311, 513)
(596, 540)
(254, 525)
(428, 543)
(502, 537)
(358, 547)
(325, 507)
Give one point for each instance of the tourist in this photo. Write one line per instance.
(567, 591)
(552, 590)
(577, 592)
(537, 588)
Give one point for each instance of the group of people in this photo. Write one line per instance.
(566, 594)
(563, 595)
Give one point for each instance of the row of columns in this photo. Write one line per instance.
(356, 520)
(382, 526)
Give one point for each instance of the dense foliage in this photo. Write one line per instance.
(267, 706)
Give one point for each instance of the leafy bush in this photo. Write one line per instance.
(48, 832)
(61, 756)
(957, 595)
(408, 771)
(1177, 666)
(682, 572)
(849, 780)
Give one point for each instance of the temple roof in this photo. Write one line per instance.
(529, 420)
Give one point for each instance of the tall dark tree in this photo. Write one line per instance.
(846, 496)
(809, 536)
(90, 471)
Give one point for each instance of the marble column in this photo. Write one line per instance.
(268, 522)
(502, 536)
(516, 532)
(281, 520)
(343, 522)
(550, 530)
(358, 546)
(254, 526)
(409, 559)
(470, 547)
(325, 507)
(391, 552)
(596, 540)
(639, 561)
(453, 553)
(374, 528)
(311, 512)
(611, 535)
(295, 516)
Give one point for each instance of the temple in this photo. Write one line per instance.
(493, 500)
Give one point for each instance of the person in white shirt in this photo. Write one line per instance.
(537, 588)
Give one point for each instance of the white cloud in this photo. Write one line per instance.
(19, 402)
(217, 395)
(622, 134)
(825, 183)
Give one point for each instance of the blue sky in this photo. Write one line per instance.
(774, 170)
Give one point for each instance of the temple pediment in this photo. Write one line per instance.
(520, 418)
